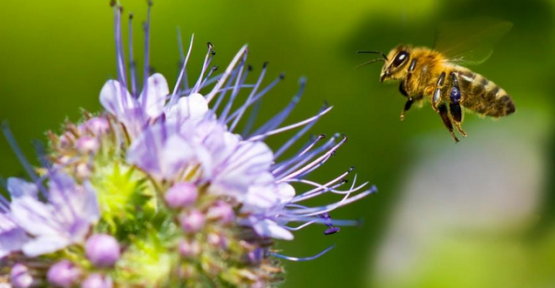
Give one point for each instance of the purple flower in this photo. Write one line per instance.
(192, 221)
(196, 149)
(187, 133)
(64, 219)
(181, 195)
(102, 250)
(63, 274)
(97, 281)
(20, 276)
(221, 211)
(189, 248)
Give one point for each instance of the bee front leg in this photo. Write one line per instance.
(442, 110)
(406, 90)
(409, 102)
(454, 104)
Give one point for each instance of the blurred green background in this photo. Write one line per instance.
(473, 214)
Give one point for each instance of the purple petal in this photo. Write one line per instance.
(161, 157)
(19, 188)
(157, 90)
(34, 216)
(269, 228)
(192, 107)
(12, 237)
(116, 99)
(44, 245)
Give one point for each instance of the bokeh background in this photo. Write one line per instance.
(473, 214)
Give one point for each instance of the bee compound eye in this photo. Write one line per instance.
(400, 58)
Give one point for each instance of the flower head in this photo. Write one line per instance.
(171, 170)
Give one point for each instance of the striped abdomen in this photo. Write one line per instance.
(483, 96)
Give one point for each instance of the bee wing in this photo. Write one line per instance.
(470, 42)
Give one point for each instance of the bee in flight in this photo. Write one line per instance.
(438, 75)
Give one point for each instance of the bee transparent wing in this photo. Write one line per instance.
(470, 42)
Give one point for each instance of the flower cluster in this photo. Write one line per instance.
(161, 190)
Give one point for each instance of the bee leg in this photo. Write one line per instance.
(442, 110)
(456, 115)
(408, 78)
(409, 102)
(454, 104)
(436, 96)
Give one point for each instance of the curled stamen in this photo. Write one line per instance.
(294, 163)
(317, 220)
(297, 259)
(320, 137)
(300, 226)
(326, 208)
(321, 189)
(314, 163)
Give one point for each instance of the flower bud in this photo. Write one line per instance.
(82, 170)
(192, 222)
(102, 250)
(96, 125)
(221, 211)
(181, 195)
(20, 276)
(63, 274)
(189, 249)
(97, 281)
(87, 144)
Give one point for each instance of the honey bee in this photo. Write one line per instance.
(437, 75)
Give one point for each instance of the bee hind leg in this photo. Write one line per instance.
(442, 110)
(454, 103)
(456, 115)
(438, 90)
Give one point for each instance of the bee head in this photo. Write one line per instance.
(396, 63)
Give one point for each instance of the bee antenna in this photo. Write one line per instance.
(369, 62)
(372, 52)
